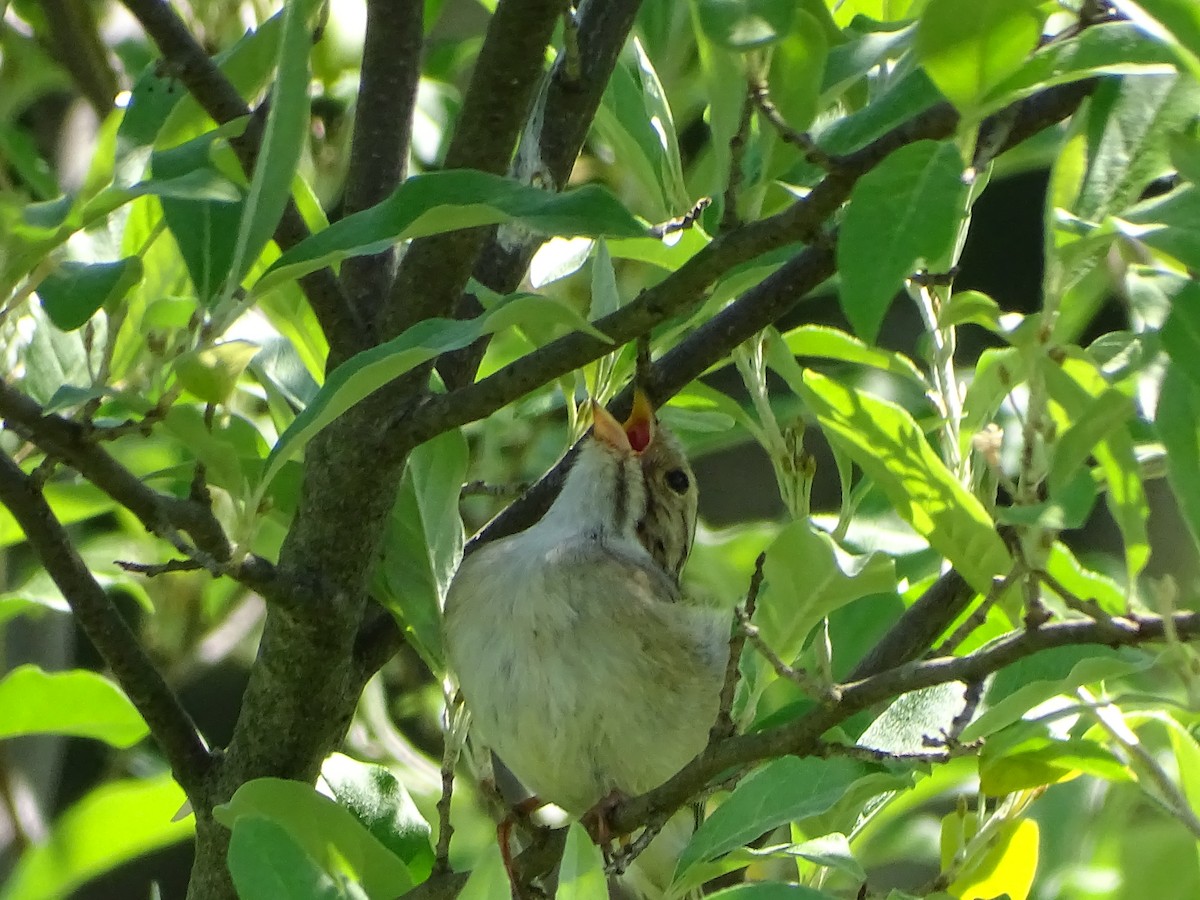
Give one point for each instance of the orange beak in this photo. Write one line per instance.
(637, 432)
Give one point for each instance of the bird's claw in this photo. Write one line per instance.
(596, 821)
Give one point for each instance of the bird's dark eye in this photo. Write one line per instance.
(677, 480)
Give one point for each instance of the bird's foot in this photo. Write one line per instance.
(595, 821)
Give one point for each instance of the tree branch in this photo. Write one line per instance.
(387, 94)
(78, 49)
(169, 723)
(435, 269)
(550, 144)
(802, 737)
(161, 514)
(220, 99)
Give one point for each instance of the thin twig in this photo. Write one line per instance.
(1110, 719)
(104, 626)
(799, 737)
(827, 749)
(724, 726)
(807, 683)
(681, 223)
(153, 570)
(761, 97)
(737, 149)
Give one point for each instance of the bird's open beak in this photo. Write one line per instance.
(639, 427)
(637, 432)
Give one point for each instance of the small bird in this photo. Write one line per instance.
(582, 667)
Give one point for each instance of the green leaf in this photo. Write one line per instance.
(808, 576)
(784, 790)
(1035, 679)
(1006, 868)
(902, 99)
(745, 24)
(212, 373)
(797, 64)
(488, 880)
(424, 540)
(448, 201)
(366, 372)
(852, 60)
(282, 142)
(833, 343)
(902, 212)
(381, 804)
(329, 834)
(73, 292)
(112, 824)
(658, 118)
(206, 231)
(581, 872)
(20, 150)
(886, 443)
(1178, 422)
(1094, 423)
(970, 308)
(79, 703)
(967, 50)
(1083, 582)
(1131, 120)
(1174, 22)
(1073, 384)
(266, 863)
(1115, 48)
(1029, 754)
(1168, 224)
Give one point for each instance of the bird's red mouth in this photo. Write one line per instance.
(639, 427)
(635, 434)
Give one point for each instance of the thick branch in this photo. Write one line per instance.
(550, 144)
(802, 736)
(435, 269)
(221, 100)
(161, 514)
(169, 723)
(387, 93)
(79, 49)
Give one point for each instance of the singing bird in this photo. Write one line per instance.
(582, 667)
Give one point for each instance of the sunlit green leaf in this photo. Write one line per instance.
(832, 343)
(746, 24)
(110, 825)
(1174, 22)
(968, 50)
(447, 201)
(1006, 868)
(379, 801)
(902, 213)
(1030, 681)
(329, 834)
(79, 702)
(211, 373)
(889, 447)
(581, 872)
(282, 142)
